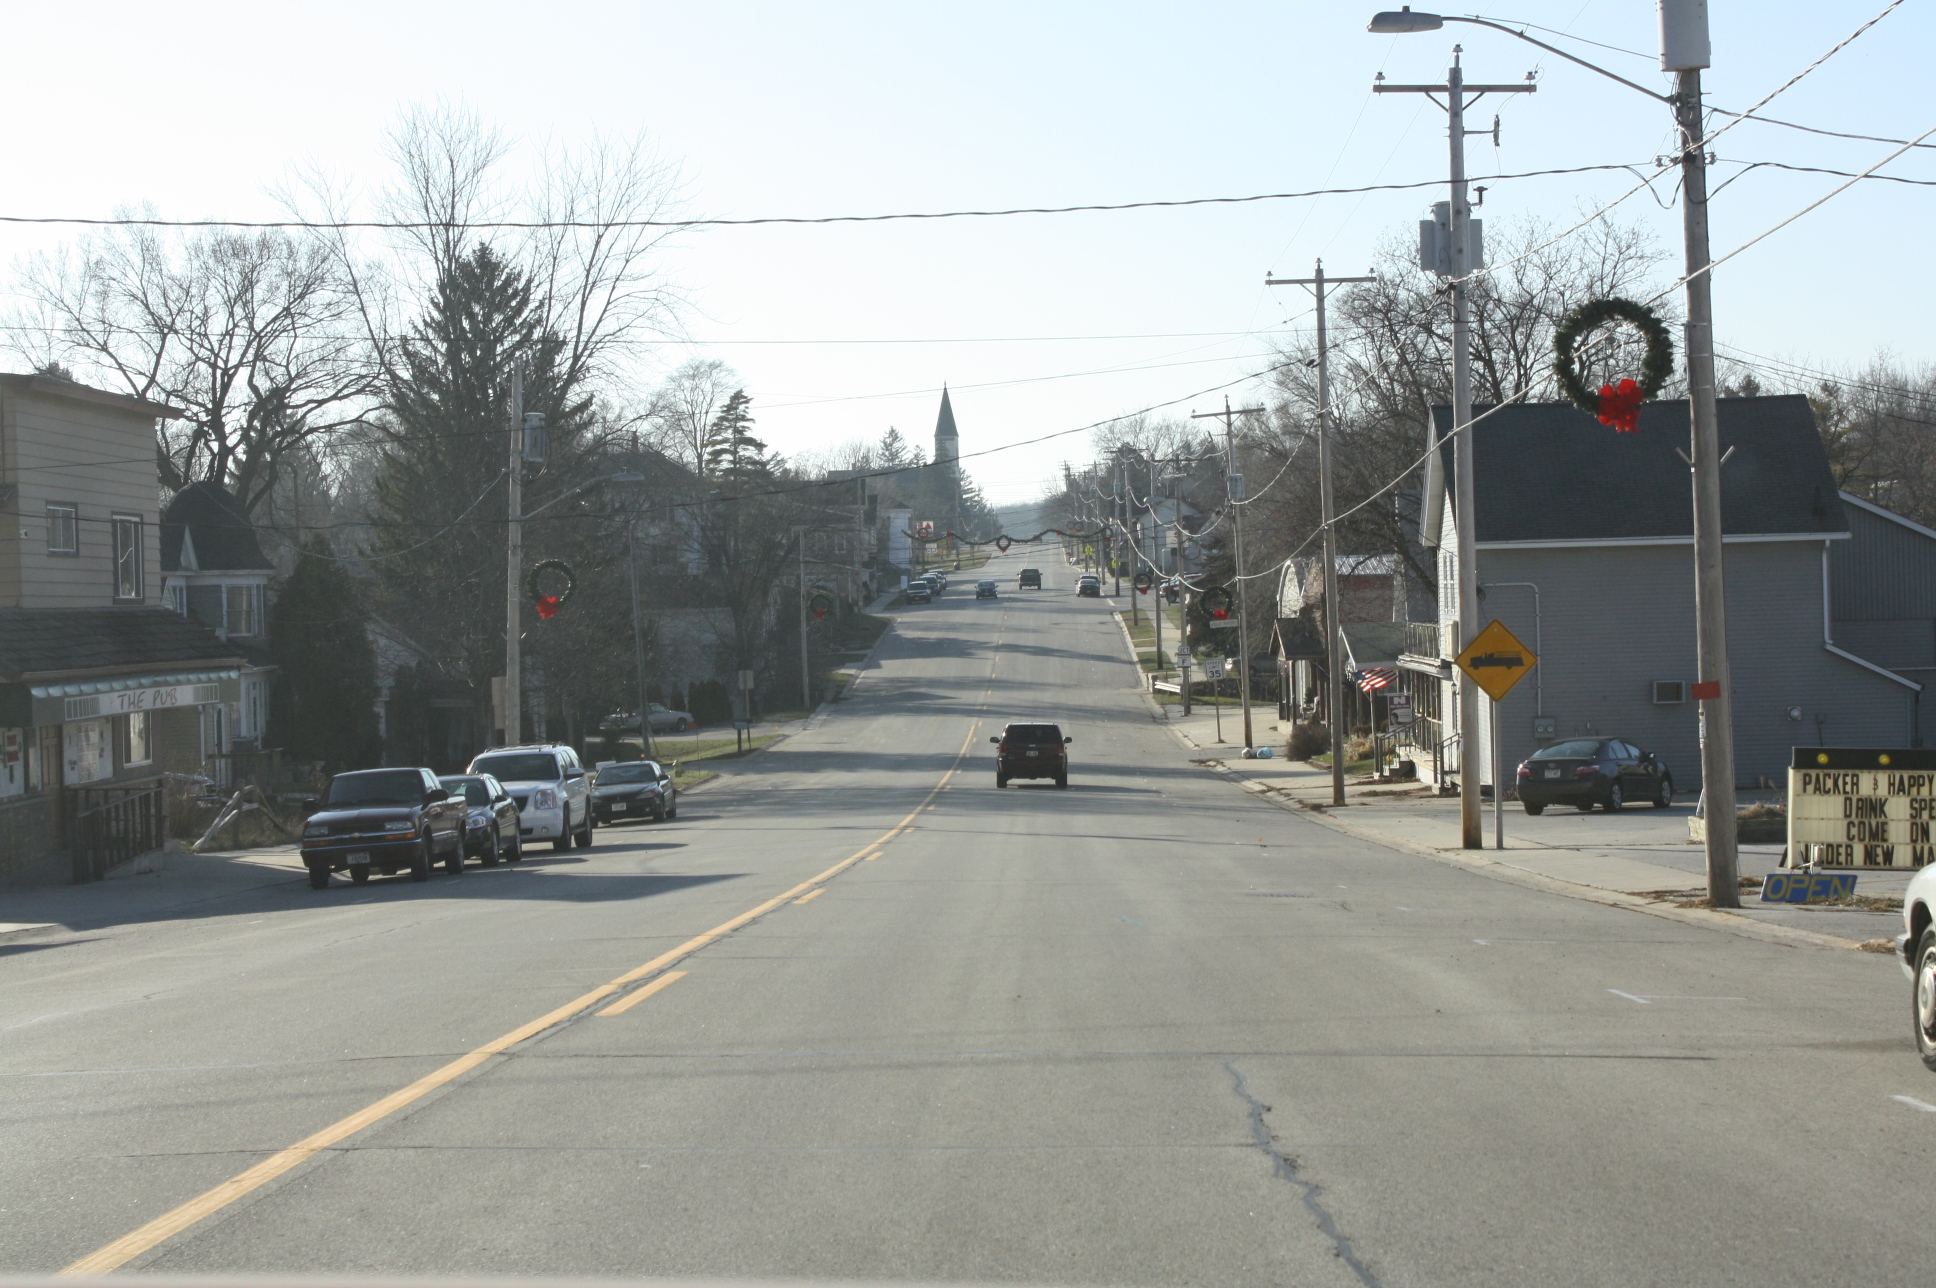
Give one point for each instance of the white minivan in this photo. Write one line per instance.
(550, 787)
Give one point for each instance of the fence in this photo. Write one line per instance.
(112, 825)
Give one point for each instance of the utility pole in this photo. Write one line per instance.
(638, 634)
(1684, 50)
(1333, 608)
(1463, 265)
(514, 567)
(1234, 489)
(806, 679)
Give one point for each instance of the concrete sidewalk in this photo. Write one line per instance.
(1641, 852)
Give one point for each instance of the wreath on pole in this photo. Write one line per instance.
(1617, 405)
(548, 605)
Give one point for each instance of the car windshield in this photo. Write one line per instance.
(1034, 733)
(637, 771)
(1578, 749)
(376, 787)
(472, 790)
(519, 767)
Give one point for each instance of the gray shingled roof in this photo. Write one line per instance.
(40, 641)
(224, 539)
(1550, 472)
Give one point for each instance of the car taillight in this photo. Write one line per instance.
(1525, 770)
(1586, 771)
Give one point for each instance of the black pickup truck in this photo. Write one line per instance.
(389, 820)
(1031, 579)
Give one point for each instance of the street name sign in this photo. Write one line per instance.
(1852, 807)
(1496, 660)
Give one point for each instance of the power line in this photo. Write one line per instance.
(606, 225)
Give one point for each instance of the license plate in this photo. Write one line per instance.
(359, 859)
(1553, 772)
(1031, 753)
(620, 809)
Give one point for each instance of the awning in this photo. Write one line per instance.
(121, 683)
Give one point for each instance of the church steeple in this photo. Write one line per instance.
(947, 443)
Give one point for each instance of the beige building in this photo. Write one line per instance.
(102, 690)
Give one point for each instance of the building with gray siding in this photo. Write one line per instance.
(1585, 552)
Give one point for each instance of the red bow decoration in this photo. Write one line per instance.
(547, 606)
(1620, 406)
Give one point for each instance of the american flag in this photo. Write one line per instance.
(1377, 677)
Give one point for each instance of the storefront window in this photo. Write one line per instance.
(87, 755)
(140, 749)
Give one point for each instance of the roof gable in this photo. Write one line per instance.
(1550, 472)
(218, 536)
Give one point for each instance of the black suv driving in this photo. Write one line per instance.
(1031, 750)
(387, 819)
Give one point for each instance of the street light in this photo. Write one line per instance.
(1685, 51)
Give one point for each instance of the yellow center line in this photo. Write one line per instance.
(670, 977)
(164, 1227)
(810, 896)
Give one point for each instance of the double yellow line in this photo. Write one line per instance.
(164, 1227)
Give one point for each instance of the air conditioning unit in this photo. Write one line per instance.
(1669, 693)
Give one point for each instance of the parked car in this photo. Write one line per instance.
(490, 818)
(1584, 772)
(984, 590)
(918, 592)
(634, 789)
(1031, 749)
(1030, 579)
(662, 719)
(1917, 949)
(550, 788)
(1089, 585)
(389, 820)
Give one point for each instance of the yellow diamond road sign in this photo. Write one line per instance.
(1496, 661)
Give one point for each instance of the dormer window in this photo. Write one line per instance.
(239, 617)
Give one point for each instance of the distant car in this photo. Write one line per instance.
(919, 593)
(389, 820)
(662, 719)
(984, 590)
(1031, 749)
(1089, 586)
(936, 581)
(1584, 772)
(634, 789)
(490, 818)
(1030, 579)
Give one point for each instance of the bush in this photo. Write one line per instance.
(1307, 740)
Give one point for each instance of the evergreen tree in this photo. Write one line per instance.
(732, 453)
(323, 704)
(894, 451)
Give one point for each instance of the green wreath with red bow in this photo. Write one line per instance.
(548, 605)
(1617, 405)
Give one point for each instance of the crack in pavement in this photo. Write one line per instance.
(1285, 1168)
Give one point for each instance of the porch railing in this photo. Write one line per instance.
(113, 825)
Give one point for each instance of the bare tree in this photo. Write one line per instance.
(683, 407)
(253, 336)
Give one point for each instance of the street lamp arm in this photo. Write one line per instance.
(1592, 67)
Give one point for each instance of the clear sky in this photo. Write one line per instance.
(1039, 323)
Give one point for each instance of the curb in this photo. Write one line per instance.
(1497, 871)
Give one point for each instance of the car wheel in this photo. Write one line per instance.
(1061, 780)
(319, 878)
(585, 835)
(672, 810)
(454, 861)
(517, 850)
(684, 725)
(488, 856)
(1535, 809)
(420, 863)
(1923, 999)
(1665, 796)
(1001, 780)
(659, 812)
(1585, 807)
(564, 833)
(360, 874)
(1614, 801)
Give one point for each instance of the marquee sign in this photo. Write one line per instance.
(1862, 808)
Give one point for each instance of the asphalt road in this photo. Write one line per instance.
(1147, 1030)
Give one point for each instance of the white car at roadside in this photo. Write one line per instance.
(551, 789)
(1916, 950)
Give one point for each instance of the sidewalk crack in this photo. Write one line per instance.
(1284, 1167)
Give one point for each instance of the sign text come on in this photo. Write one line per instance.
(1854, 807)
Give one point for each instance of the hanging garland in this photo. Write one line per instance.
(548, 605)
(1615, 405)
